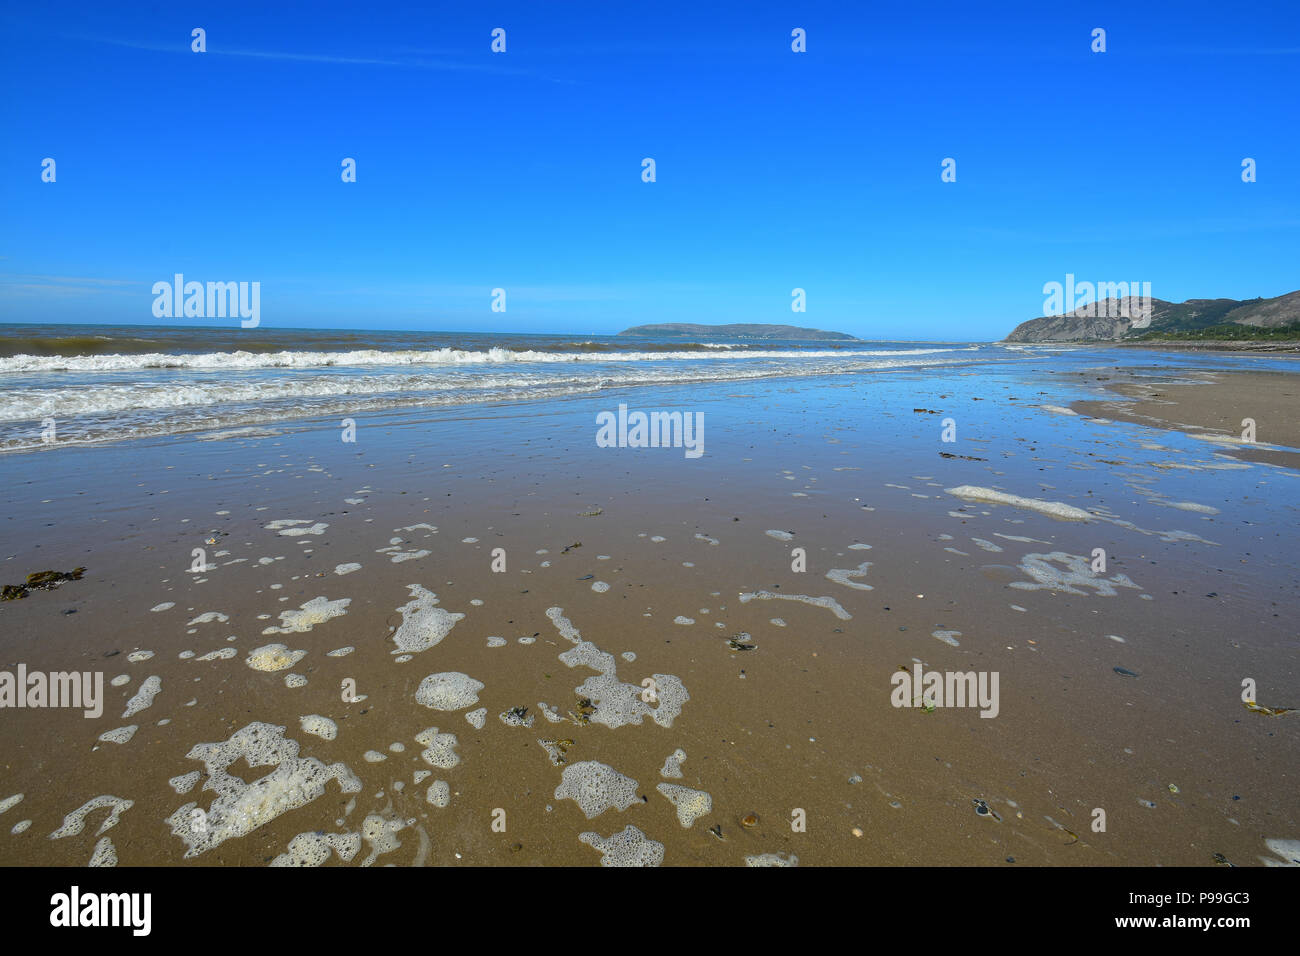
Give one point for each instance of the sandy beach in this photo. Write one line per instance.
(1215, 406)
(1120, 690)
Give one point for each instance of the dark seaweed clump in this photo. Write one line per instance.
(39, 581)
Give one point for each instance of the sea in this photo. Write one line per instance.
(96, 383)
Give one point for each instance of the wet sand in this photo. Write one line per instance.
(803, 721)
(1215, 407)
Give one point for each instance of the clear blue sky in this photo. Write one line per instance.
(523, 170)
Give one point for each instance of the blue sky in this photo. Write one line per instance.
(522, 170)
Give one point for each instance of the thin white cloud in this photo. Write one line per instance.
(40, 280)
(404, 63)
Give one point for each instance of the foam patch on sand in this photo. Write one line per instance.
(440, 748)
(948, 637)
(316, 611)
(780, 535)
(438, 794)
(555, 751)
(381, 834)
(341, 569)
(75, 821)
(185, 782)
(988, 545)
(104, 854)
(1167, 536)
(617, 703)
(273, 657)
(207, 617)
(8, 803)
(398, 556)
(120, 736)
(628, 848)
(1020, 538)
(513, 718)
(842, 576)
(596, 787)
(1233, 440)
(165, 606)
(292, 528)
(563, 625)
(448, 691)
(319, 726)
(1288, 850)
(477, 718)
(143, 698)
(240, 808)
(772, 859)
(313, 848)
(224, 654)
(829, 603)
(690, 804)
(424, 624)
(673, 765)
(1053, 509)
(135, 657)
(1075, 577)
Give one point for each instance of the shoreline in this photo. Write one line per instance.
(1176, 345)
(1215, 410)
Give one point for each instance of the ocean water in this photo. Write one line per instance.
(114, 383)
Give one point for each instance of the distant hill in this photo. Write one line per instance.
(1104, 321)
(740, 331)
